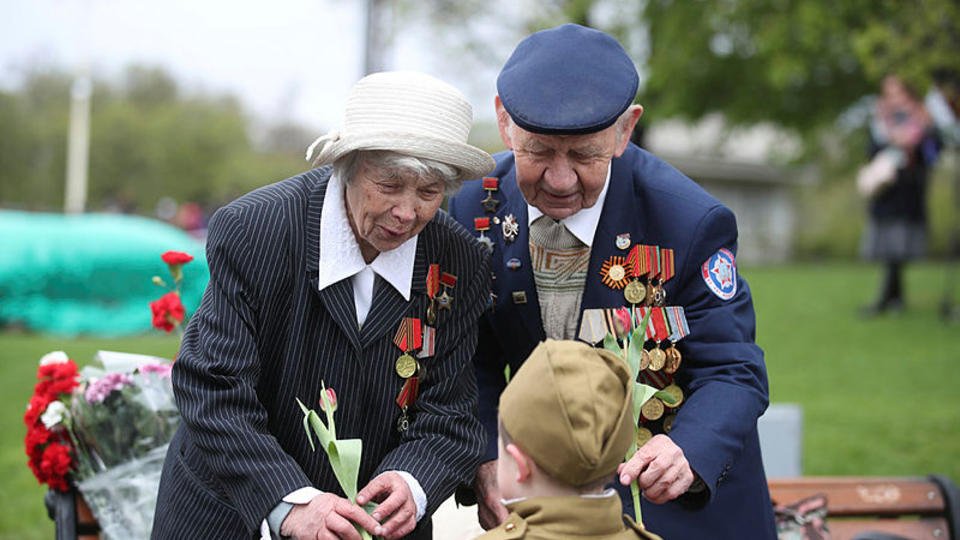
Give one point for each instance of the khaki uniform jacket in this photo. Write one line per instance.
(549, 518)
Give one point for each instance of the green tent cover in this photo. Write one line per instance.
(90, 273)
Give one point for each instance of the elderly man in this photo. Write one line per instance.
(565, 213)
(348, 276)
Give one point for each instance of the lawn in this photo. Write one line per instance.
(878, 396)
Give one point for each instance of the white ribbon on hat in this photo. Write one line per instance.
(324, 142)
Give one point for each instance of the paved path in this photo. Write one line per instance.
(452, 523)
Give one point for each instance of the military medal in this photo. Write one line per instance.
(643, 435)
(482, 224)
(405, 399)
(679, 328)
(510, 228)
(429, 342)
(433, 287)
(652, 409)
(644, 360)
(676, 393)
(667, 271)
(490, 185)
(652, 258)
(623, 240)
(613, 273)
(634, 292)
(668, 421)
(592, 327)
(657, 359)
(448, 280)
(408, 338)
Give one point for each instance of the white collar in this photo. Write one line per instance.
(340, 255)
(582, 224)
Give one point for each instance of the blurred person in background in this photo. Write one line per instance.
(903, 148)
(325, 278)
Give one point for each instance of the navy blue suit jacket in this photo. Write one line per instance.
(723, 372)
(265, 335)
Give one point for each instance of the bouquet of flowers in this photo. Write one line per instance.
(106, 430)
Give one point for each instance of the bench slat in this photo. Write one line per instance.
(915, 529)
(858, 496)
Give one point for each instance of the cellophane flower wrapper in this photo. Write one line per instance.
(122, 423)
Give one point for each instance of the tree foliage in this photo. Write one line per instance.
(148, 139)
(797, 63)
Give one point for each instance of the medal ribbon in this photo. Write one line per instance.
(683, 329)
(653, 260)
(481, 224)
(408, 394)
(490, 183)
(433, 280)
(667, 268)
(449, 280)
(659, 324)
(409, 336)
(633, 262)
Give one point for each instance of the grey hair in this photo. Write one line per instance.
(346, 167)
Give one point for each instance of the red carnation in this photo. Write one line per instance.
(168, 311)
(56, 379)
(38, 404)
(55, 465)
(176, 257)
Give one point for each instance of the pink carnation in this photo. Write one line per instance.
(99, 389)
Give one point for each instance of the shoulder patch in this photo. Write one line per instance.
(719, 272)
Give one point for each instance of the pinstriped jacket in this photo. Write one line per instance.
(264, 335)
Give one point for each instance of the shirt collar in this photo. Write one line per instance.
(582, 224)
(340, 253)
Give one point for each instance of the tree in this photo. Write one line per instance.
(149, 139)
(797, 63)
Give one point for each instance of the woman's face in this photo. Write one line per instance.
(386, 208)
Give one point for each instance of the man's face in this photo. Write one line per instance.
(386, 210)
(562, 174)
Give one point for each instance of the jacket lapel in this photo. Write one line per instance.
(337, 298)
(519, 280)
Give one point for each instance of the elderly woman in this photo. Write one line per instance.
(347, 276)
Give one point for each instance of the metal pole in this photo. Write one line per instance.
(78, 145)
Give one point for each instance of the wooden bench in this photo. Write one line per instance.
(914, 508)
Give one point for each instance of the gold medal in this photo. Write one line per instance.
(652, 409)
(650, 293)
(644, 360)
(657, 359)
(634, 292)
(676, 393)
(406, 366)
(673, 360)
(643, 435)
(668, 422)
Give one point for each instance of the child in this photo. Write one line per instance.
(565, 426)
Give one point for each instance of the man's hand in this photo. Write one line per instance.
(397, 510)
(662, 468)
(327, 517)
(490, 510)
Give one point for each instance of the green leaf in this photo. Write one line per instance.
(635, 352)
(610, 344)
(665, 397)
(345, 460)
(641, 394)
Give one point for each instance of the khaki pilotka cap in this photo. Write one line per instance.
(569, 408)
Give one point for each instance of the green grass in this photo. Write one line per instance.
(879, 396)
(22, 514)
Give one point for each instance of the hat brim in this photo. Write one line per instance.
(470, 161)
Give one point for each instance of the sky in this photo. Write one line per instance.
(285, 59)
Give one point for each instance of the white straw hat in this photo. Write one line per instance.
(409, 113)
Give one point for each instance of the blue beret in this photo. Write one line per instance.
(567, 80)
